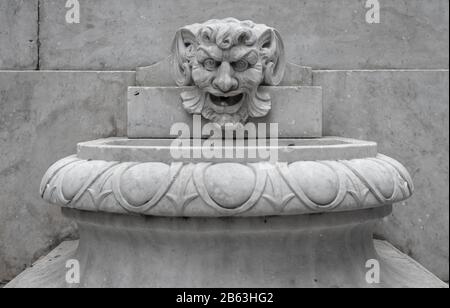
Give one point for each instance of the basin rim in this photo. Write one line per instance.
(226, 189)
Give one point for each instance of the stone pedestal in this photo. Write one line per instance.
(324, 250)
(317, 250)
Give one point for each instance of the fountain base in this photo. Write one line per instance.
(316, 250)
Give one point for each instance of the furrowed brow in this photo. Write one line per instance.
(205, 52)
(251, 55)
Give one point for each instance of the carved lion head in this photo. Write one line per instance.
(228, 60)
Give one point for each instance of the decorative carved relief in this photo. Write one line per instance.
(227, 60)
(226, 189)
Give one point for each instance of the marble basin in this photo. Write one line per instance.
(147, 219)
(287, 150)
(140, 176)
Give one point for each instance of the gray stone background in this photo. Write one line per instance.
(61, 84)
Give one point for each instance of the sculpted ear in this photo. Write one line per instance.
(273, 54)
(183, 50)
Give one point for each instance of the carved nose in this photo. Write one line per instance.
(224, 82)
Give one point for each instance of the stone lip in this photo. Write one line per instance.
(226, 189)
(287, 150)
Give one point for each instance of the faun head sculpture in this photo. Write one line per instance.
(227, 61)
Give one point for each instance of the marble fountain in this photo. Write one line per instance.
(149, 218)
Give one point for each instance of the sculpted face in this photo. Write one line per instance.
(228, 60)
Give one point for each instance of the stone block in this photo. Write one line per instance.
(43, 115)
(406, 113)
(323, 34)
(18, 34)
(153, 111)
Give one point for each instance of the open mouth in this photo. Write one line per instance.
(226, 104)
(224, 101)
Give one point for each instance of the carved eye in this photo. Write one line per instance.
(240, 66)
(210, 64)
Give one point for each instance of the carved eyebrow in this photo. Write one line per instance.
(205, 52)
(244, 53)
